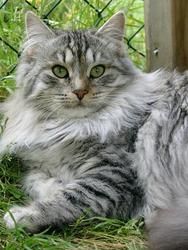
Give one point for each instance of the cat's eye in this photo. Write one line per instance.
(97, 71)
(60, 71)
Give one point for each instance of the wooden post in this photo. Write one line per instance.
(166, 26)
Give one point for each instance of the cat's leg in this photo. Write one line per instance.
(97, 194)
(39, 185)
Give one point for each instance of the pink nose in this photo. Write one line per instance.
(80, 93)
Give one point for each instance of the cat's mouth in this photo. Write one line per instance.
(81, 110)
(75, 105)
(80, 104)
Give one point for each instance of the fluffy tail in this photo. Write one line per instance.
(168, 229)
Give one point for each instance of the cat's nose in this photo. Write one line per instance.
(80, 93)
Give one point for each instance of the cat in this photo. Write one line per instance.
(97, 135)
(68, 124)
(168, 228)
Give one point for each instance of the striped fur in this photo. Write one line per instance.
(119, 152)
(78, 153)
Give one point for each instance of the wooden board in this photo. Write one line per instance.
(166, 26)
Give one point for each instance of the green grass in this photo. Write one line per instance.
(90, 234)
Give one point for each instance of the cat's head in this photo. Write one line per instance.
(73, 73)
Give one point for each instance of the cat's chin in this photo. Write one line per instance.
(78, 112)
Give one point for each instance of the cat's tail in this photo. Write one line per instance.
(168, 229)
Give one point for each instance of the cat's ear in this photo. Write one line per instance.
(35, 27)
(114, 27)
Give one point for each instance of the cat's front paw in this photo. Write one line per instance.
(25, 217)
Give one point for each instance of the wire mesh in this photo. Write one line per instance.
(64, 13)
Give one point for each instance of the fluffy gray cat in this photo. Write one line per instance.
(97, 135)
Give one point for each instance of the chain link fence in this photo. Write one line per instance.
(66, 14)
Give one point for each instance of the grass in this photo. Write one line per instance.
(85, 234)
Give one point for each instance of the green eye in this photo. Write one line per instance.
(60, 71)
(97, 71)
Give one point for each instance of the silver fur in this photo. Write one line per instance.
(121, 153)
